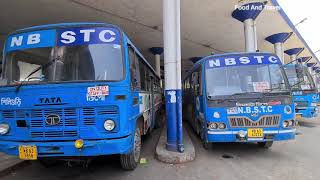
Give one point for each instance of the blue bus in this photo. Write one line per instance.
(76, 91)
(239, 97)
(305, 94)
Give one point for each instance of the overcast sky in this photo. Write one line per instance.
(297, 10)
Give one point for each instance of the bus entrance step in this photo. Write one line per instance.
(163, 155)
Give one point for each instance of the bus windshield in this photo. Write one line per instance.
(100, 62)
(299, 77)
(263, 78)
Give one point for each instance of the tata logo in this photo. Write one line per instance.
(51, 100)
(52, 119)
(242, 60)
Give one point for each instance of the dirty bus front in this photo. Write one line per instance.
(69, 91)
(239, 98)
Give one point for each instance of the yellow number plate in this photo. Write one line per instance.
(298, 116)
(255, 133)
(28, 152)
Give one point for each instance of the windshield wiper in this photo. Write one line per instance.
(233, 96)
(45, 66)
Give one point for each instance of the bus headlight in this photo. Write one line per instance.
(213, 126)
(222, 126)
(109, 125)
(4, 129)
(314, 104)
(290, 123)
(216, 115)
(285, 124)
(287, 110)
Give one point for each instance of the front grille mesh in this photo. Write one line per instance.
(69, 119)
(301, 103)
(264, 121)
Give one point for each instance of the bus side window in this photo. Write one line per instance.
(143, 75)
(134, 70)
(196, 82)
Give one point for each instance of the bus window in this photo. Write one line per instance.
(134, 70)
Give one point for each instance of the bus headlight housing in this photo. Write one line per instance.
(287, 109)
(4, 129)
(213, 126)
(109, 125)
(285, 124)
(222, 126)
(314, 104)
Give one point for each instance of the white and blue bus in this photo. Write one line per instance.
(304, 90)
(239, 97)
(76, 91)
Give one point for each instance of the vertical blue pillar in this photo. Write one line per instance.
(172, 67)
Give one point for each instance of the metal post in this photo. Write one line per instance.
(279, 50)
(172, 66)
(250, 35)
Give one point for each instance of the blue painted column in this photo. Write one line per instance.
(157, 51)
(293, 53)
(278, 40)
(172, 67)
(247, 14)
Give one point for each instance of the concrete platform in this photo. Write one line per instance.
(174, 157)
(8, 163)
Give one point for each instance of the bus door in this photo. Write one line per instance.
(197, 100)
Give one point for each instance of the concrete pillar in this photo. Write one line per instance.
(157, 51)
(247, 14)
(172, 67)
(293, 53)
(278, 41)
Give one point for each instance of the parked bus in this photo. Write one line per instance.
(239, 97)
(305, 94)
(76, 91)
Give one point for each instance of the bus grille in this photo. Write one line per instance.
(301, 103)
(264, 121)
(69, 119)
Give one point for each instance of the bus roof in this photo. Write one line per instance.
(59, 25)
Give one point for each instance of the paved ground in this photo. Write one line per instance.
(298, 159)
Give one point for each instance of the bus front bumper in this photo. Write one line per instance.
(67, 148)
(233, 136)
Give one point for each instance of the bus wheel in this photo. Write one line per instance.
(267, 144)
(130, 161)
(206, 145)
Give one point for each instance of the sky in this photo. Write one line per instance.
(298, 10)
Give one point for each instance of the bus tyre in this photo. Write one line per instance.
(206, 145)
(266, 145)
(130, 161)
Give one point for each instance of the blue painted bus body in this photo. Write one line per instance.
(305, 95)
(239, 112)
(25, 108)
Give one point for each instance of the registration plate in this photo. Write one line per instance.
(28, 152)
(255, 133)
(298, 116)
